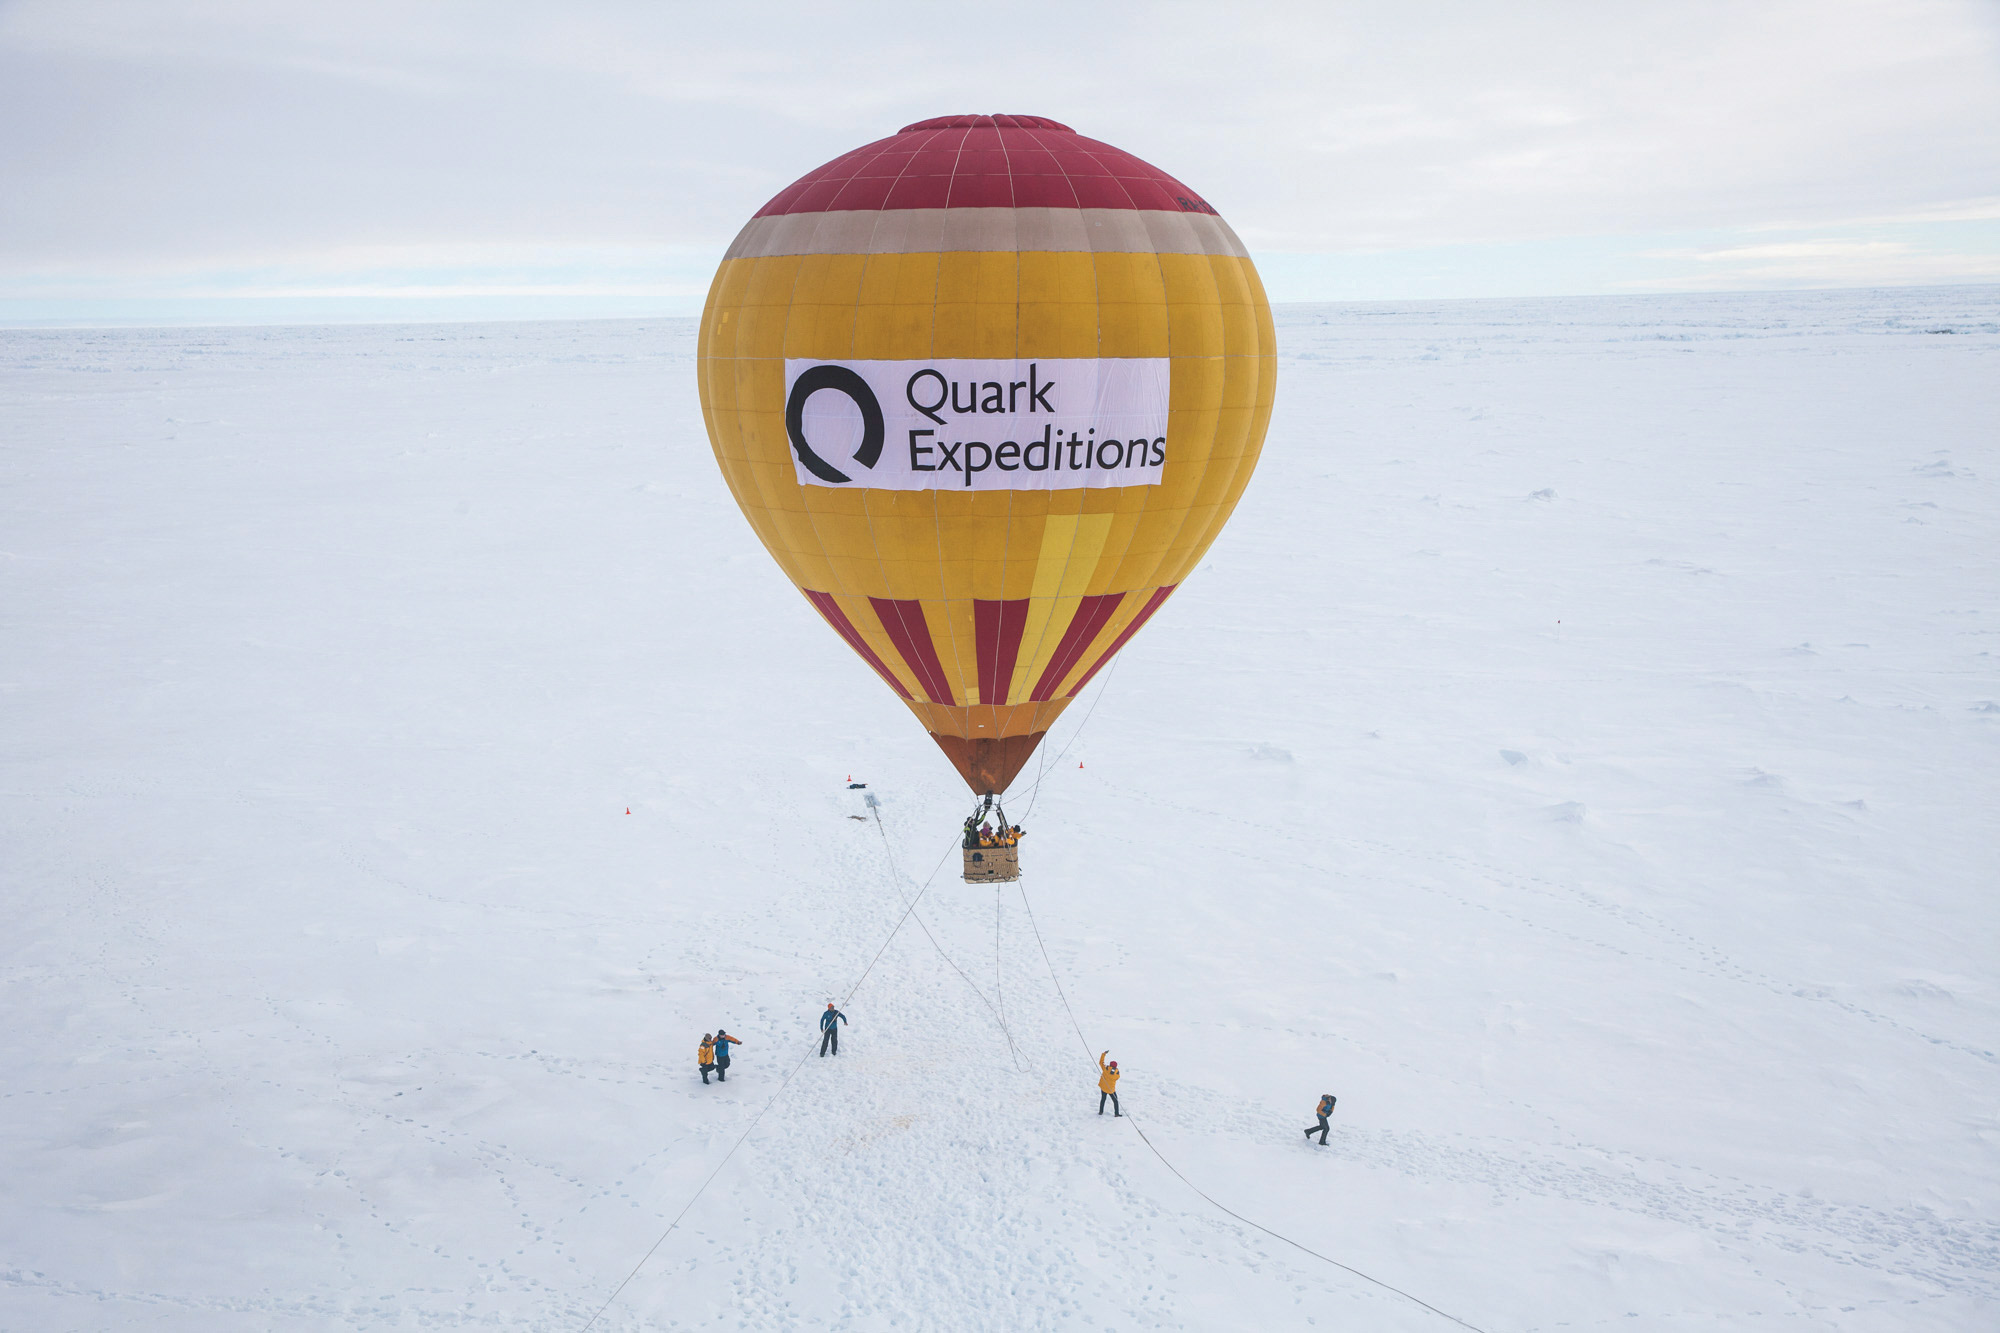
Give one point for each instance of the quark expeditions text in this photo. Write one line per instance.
(986, 425)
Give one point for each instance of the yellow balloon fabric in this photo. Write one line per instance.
(987, 390)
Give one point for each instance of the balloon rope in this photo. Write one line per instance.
(999, 996)
(1189, 1183)
(896, 877)
(1035, 792)
(806, 1055)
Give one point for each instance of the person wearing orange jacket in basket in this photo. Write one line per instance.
(1107, 1084)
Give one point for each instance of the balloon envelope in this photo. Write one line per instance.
(987, 390)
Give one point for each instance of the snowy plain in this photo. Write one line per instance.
(1580, 754)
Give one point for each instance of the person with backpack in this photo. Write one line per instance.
(1107, 1084)
(829, 1029)
(1325, 1109)
(723, 1041)
(705, 1057)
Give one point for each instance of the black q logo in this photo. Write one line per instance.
(841, 380)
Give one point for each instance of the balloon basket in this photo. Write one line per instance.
(994, 864)
(994, 859)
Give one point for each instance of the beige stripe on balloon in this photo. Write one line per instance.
(898, 231)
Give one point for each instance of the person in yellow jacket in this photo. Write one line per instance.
(706, 1055)
(1107, 1084)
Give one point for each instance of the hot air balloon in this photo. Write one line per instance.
(987, 390)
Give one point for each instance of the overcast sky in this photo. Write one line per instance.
(356, 158)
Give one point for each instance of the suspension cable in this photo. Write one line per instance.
(1035, 792)
(999, 995)
(897, 877)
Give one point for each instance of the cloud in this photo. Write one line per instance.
(671, 277)
(176, 136)
(1823, 262)
(1957, 210)
(1796, 250)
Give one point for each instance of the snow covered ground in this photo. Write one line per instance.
(1581, 755)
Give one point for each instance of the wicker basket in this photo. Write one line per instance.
(992, 863)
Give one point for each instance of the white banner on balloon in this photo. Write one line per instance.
(1040, 424)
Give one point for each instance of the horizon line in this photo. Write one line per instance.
(385, 319)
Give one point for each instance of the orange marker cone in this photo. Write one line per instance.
(628, 809)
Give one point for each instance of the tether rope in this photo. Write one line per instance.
(1035, 792)
(999, 995)
(1085, 1042)
(908, 911)
(897, 876)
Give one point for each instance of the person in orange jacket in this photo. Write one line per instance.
(1325, 1109)
(1107, 1084)
(705, 1056)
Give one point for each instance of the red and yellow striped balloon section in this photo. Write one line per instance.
(989, 237)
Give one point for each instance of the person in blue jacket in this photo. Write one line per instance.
(723, 1041)
(1325, 1109)
(829, 1029)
